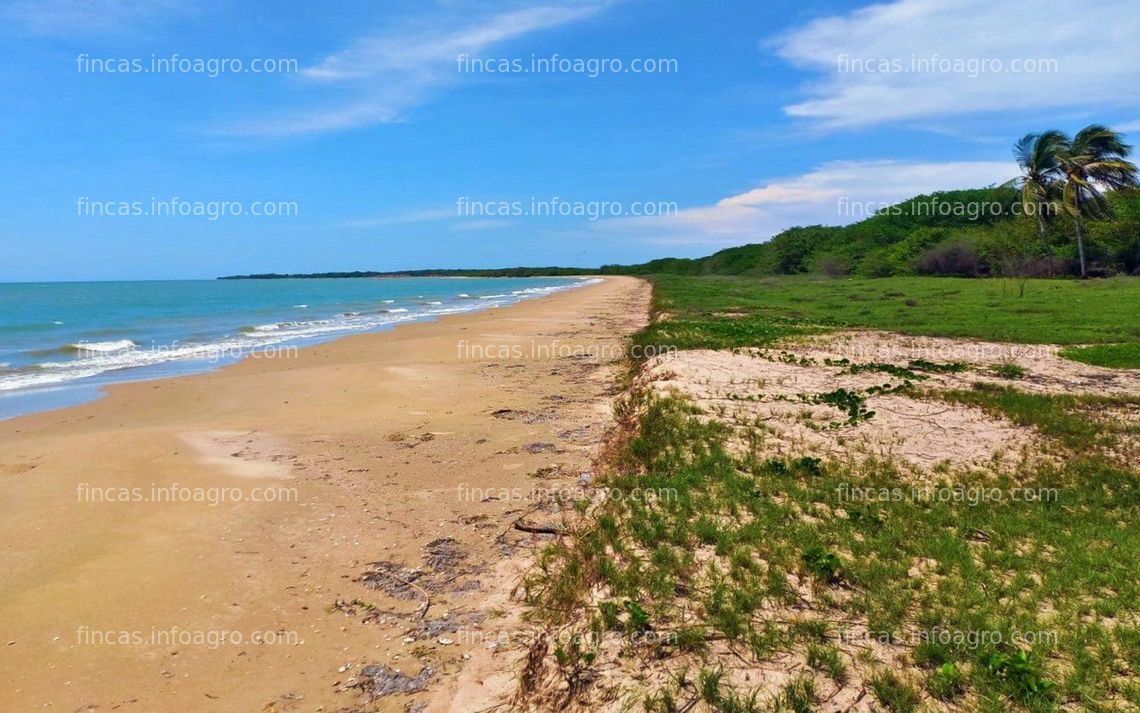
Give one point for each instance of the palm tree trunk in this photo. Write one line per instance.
(1080, 237)
(1045, 239)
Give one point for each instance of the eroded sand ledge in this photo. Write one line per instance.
(390, 448)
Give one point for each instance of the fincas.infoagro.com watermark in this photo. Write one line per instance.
(556, 207)
(176, 207)
(211, 67)
(568, 493)
(177, 636)
(938, 207)
(177, 493)
(175, 350)
(971, 495)
(972, 67)
(557, 349)
(591, 67)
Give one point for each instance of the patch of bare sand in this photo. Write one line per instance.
(244, 454)
(779, 398)
(1045, 370)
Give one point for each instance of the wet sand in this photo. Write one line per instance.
(206, 543)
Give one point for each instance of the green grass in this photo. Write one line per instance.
(1051, 312)
(1113, 356)
(1063, 565)
(1068, 419)
(726, 559)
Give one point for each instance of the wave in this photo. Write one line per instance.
(119, 345)
(397, 310)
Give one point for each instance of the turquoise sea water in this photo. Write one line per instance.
(61, 341)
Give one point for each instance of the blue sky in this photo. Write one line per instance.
(372, 138)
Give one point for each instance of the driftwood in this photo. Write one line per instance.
(525, 526)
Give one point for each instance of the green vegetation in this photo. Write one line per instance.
(910, 238)
(1071, 420)
(1114, 356)
(1009, 370)
(1092, 162)
(1025, 604)
(721, 312)
(1051, 581)
(1057, 208)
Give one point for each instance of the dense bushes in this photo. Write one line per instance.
(953, 257)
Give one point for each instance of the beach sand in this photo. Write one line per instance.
(124, 588)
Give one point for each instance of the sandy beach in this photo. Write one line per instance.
(229, 541)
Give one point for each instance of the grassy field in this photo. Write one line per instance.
(995, 604)
(721, 312)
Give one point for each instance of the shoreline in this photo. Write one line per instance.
(369, 441)
(205, 357)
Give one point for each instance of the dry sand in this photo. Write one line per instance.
(402, 456)
(747, 389)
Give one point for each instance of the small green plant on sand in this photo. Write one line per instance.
(1008, 370)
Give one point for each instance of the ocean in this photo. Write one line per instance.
(60, 342)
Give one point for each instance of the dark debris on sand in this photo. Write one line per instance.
(378, 681)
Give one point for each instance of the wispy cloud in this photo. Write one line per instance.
(834, 194)
(921, 59)
(431, 215)
(385, 75)
(85, 17)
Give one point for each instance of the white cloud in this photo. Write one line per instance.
(834, 194)
(387, 74)
(1129, 126)
(1085, 59)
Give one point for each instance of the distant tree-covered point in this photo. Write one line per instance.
(1074, 210)
(500, 272)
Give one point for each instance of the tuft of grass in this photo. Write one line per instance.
(894, 693)
(799, 696)
(827, 659)
(1009, 370)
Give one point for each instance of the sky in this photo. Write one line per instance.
(163, 139)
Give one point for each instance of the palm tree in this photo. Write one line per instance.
(1094, 161)
(1038, 186)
